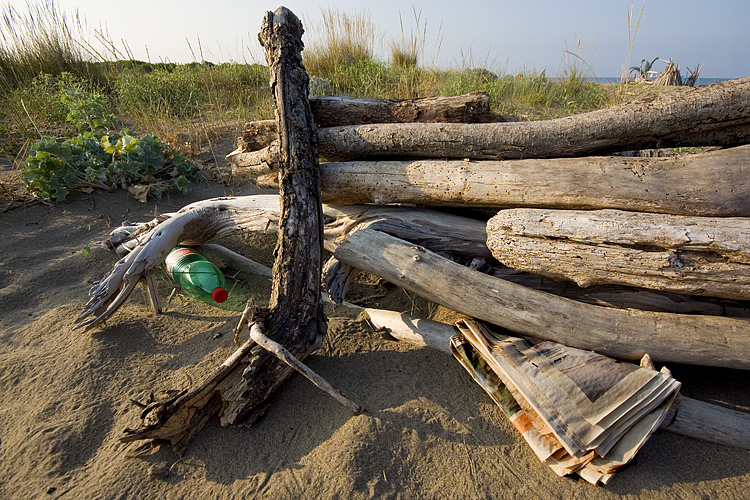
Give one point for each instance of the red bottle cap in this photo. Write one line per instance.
(219, 295)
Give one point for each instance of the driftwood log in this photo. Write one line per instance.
(689, 417)
(447, 234)
(622, 334)
(295, 318)
(623, 297)
(257, 148)
(707, 184)
(691, 255)
(332, 111)
(711, 115)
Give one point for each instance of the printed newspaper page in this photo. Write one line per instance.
(579, 411)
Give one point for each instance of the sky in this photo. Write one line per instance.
(502, 36)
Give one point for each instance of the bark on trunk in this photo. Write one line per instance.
(295, 318)
(692, 255)
(709, 184)
(257, 149)
(622, 334)
(711, 115)
(332, 111)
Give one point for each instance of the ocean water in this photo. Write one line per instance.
(616, 79)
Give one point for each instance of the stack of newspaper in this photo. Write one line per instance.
(580, 412)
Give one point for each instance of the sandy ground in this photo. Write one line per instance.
(429, 431)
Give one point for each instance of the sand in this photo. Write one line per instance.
(429, 431)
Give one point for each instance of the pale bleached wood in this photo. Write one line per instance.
(278, 350)
(254, 163)
(625, 297)
(255, 152)
(711, 115)
(692, 255)
(709, 422)
(441, 232)
(689, 417)
(217, 253)
(710, 184)
(622, 334)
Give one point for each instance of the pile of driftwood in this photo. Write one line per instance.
(622, 255)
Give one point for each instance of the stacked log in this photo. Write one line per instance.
(675, 226)
(566, 208)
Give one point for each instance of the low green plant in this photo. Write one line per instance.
(94, 160)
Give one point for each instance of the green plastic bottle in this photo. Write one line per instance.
(199, 278)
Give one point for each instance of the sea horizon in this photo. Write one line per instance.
(616, 79)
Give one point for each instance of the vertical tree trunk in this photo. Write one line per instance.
(295, 317)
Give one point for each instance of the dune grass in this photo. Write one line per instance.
(45, 54)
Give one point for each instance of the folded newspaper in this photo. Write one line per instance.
(580, 412)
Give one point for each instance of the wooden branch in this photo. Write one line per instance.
(441, 232)
(625, 297)
(621, 334)
(295, 316)
(227, 258)
(711, 115)
(707, 184)
(690, 417)
(280, 352)
(255, 163)
(257, 149)
(692, 255)
(331, 111)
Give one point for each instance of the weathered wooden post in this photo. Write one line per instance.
(295, 317)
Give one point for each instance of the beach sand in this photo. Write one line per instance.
(428, 432)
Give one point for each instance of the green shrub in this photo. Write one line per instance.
(59, 104)
(94, 160)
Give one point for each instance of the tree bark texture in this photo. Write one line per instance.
(295, 317)
(622, 334)
(691, 255)
(711, 115)
(332, 111)
(712, 183)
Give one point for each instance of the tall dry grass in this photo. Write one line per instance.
(338, 39)
(42, 40)
(190, 100)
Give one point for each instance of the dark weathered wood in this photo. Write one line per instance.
(682, 254)
(295, 317)
(711, 115)
(713, 183)
(332, 111)
(622, 334)
(258, 134)
(689, 417)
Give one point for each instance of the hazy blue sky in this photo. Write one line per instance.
(504, 36)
